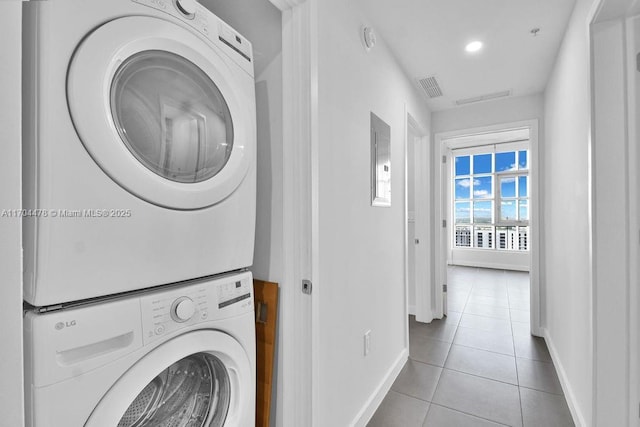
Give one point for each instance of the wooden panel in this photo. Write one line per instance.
(266, 308)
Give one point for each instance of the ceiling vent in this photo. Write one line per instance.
(486, 97)
(431, 87)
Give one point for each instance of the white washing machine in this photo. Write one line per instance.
(175, 357)
(139, 147)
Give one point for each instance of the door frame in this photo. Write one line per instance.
(442, 212)
(623, 13)
(300, 313)
(414, 134)
(634, 217)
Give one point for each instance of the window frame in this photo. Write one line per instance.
(498, 206)
(496, 195)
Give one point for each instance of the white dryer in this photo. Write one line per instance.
(180, 356)
(139, 147)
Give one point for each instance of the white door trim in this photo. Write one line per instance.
(441, 206)
(299, 312)
(422, 214)
(634, 227)
(408, 309)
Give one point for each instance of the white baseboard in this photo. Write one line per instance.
(412, 309)
(374, 400)
(576, 413)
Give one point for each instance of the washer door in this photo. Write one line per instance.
(162, 113)
(183, 383)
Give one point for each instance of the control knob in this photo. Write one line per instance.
(186, 7)
(182, 309)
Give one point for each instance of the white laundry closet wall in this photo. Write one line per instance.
(11, 395)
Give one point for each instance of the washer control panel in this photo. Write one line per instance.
(233, 292)
(167, 311)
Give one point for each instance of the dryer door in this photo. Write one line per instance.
(200, 379)
(163, 112)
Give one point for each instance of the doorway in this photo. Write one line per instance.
(487, 202)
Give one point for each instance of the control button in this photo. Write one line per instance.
(187, 7)
(204, 315)
(182, 309)
(159, 330)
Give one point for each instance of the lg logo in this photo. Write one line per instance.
(61, 325)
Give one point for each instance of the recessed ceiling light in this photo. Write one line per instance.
(473, 46)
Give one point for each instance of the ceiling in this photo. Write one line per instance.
(428, 38)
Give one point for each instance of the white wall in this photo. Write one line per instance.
(504, 260)
(361, 248)
(490, 113)
(11, 394)
(261, 23)
(566, 207)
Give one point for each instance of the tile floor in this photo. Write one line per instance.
(479, 366)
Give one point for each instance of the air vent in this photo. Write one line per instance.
(431, 87)
(481, 98)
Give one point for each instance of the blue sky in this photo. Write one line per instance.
(508, 210)
(505, 161)
(482, 163)
(482, 187)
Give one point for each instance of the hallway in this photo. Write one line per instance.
(479, 366)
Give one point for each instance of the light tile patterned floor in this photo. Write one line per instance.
(479, 366)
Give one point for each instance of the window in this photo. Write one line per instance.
(491, 199)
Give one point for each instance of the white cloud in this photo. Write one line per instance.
(481, 193)
(466, 183)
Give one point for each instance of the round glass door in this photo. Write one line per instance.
(171, 116)
(164, 114)
(192, 392)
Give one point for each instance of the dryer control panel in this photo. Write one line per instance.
(210, 26)
(167, 311)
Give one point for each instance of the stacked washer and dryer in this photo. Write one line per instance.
(139, 185)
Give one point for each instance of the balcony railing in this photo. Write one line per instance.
(506, 238)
